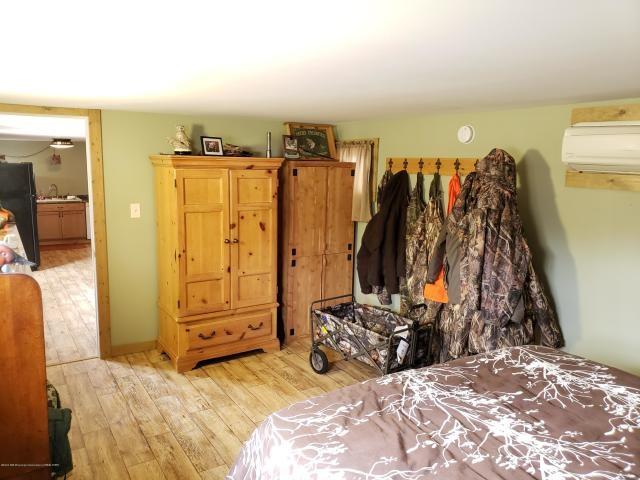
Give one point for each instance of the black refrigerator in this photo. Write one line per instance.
(18, 194)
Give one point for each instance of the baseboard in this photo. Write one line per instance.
(132, 348)
(73, 241)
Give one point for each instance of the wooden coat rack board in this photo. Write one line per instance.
(429, 165)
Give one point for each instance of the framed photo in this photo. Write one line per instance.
(290, 147)
(314, 141)
(212, 146)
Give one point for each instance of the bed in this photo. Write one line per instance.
(517, 413)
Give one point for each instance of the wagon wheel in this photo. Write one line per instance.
(319, 361)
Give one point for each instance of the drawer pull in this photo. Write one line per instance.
(251, 327)
(226, 240)
(228, 332)
(207, 337)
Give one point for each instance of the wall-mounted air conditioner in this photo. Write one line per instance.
(612, 147)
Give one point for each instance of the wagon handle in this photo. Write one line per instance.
(311, 308)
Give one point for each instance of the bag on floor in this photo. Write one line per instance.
(59, 425)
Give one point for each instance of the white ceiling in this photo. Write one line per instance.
(31, 127)
(325, 60)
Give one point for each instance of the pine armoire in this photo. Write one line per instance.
(317, 238)
(217, 255)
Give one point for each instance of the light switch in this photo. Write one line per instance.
(135, 210)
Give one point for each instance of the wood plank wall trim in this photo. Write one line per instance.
(608, 181)
(94, 140)
(606, 114)
(605, 181)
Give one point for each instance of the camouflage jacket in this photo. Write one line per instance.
(420, 242)
(501, 300)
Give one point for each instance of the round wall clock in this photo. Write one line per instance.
(466, 134)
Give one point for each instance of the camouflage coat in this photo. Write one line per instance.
(414, 219)
(420, 242)
(501, 300)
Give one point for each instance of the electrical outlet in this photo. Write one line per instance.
(135, 210)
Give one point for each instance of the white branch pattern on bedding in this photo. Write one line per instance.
(449, 413)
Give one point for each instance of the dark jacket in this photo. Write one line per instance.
(381, 259)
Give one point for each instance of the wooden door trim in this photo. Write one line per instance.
(94, 139)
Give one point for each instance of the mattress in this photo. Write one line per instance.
(517, 413)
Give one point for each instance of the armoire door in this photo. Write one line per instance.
(337, 277)
(339, 232)
(253, 229)
(305, 287)
(203, 230)
(307, 210)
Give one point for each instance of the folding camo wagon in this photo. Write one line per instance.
(377, 336)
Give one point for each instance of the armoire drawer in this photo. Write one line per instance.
(222, 331)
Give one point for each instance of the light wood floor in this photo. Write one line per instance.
(135, 417)
(66, 278)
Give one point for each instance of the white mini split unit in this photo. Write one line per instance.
(609, 147)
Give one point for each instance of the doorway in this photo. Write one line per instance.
(73, 272)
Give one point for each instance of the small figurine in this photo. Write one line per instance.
(181, 143)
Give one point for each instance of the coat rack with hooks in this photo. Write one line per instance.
(430, 165)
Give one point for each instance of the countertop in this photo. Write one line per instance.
(60, 200)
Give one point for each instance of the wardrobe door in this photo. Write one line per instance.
(306, 210)
(337, 277)
(253, 230)
(203, 227)
(339, 229)
(305, 286)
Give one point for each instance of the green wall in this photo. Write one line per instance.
(586, 243)
(128, 140)
(70, 176)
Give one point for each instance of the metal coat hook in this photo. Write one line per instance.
(456, 165)
(438, 163)
(420, 164)
(390, 164)
(475, 165)
(405, 164)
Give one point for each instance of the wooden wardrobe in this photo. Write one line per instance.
(217, 255)
(317, 238)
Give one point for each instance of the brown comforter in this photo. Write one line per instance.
(517, 413)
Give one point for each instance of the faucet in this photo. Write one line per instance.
(52, 187)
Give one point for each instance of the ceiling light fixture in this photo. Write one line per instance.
(61, 143)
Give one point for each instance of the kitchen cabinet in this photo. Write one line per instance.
(217, 247)
(62, 222)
